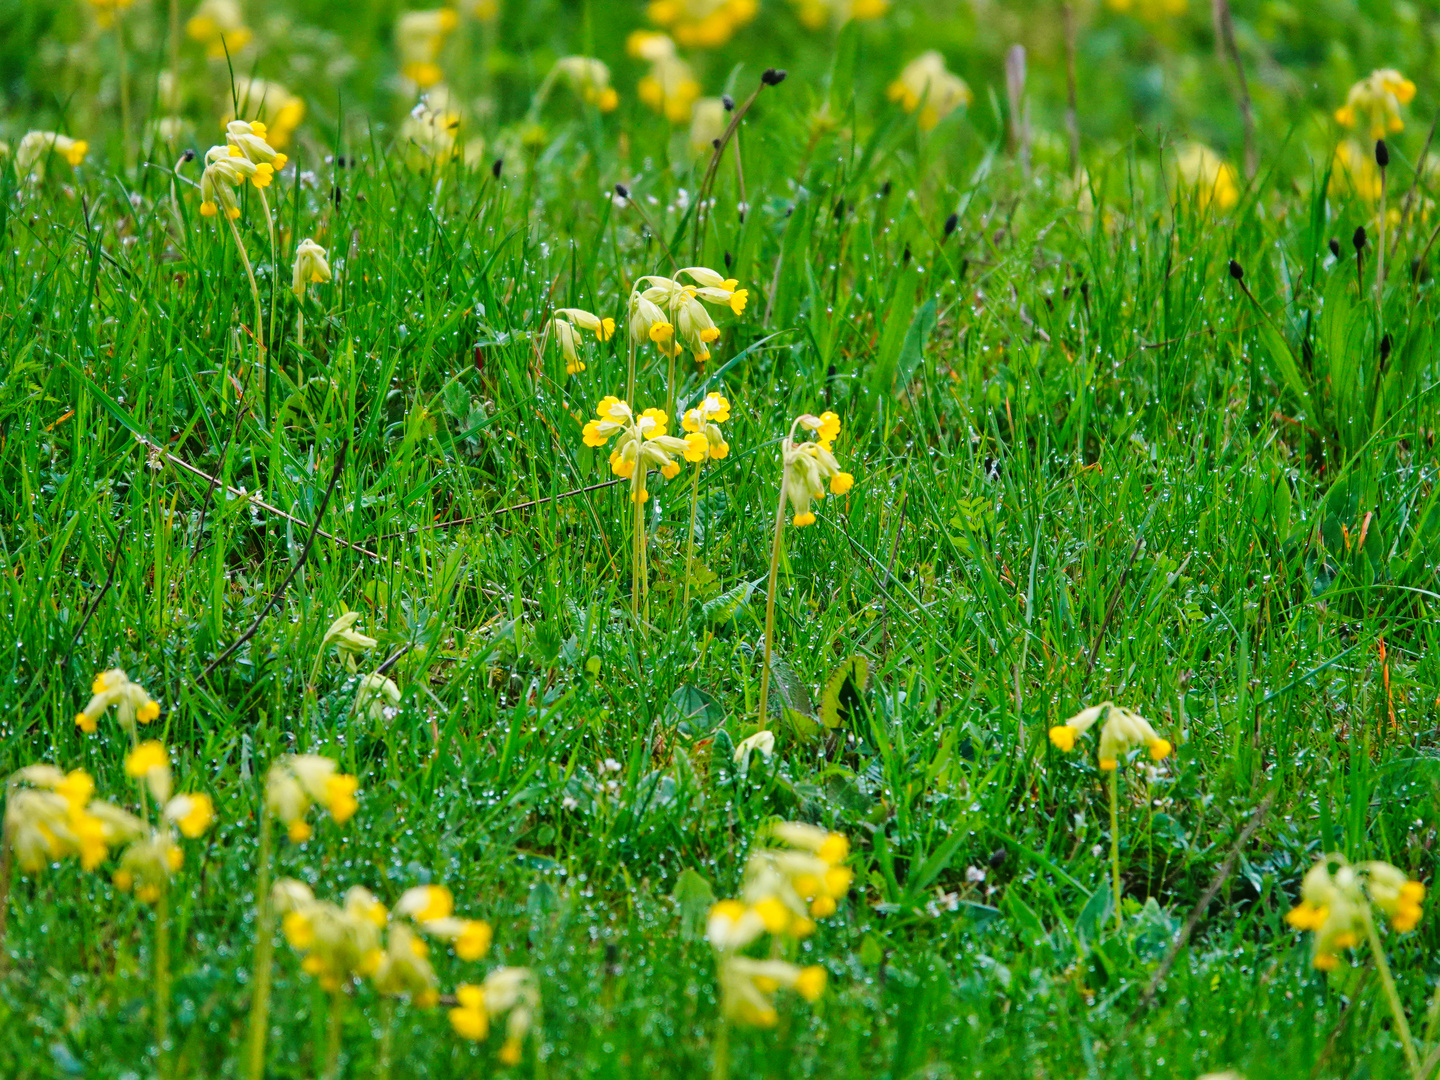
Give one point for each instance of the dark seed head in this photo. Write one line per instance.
(715, 143)
(1382, 153)
(951, 224)
(1237, 271)
(905, 256)
(1335, 247)
(728, 102)
(1359, 238)
(189, 154)
(497, 168)
(622, 191)
(773, 76)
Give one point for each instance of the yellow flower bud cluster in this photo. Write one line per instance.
(35, 146)
(590, 78)
(926, 84)
(810, 464)
(227, 168)
(219, 25)
(568, 324)
(419, 37)
(790, 882)
(1123, 731)
(52, 815)
(1338, 899)
(642, 444)
(298, 781)
(1374, 103)
(702, 424)
(668, 312)
(1201, 174)
(132, 703)
(670, 88)
(512, 990)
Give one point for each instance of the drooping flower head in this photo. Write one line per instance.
(590, 78)
(1200, 173)
(219, 25)
(797, 878)
(702, 24)
(312, 267)
(298, 781)
(419, 37)
(1123, 731)
(568, 324)
(52, 815)
(1337, 899)
(1374, 103)
(377, 697)
(669, 312)
(430, 129)
(250, 137)
(809, 464)
(34, 146)
(337, 943)
(227, 169)
(926, 84)
(107, 10)
(703, 424)
(670, 88)
(642, 444)
(512, 990)
(132, 702)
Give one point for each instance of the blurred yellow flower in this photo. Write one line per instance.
(297, 781)
(52, 815)
(1150, 10)
(338, 943)
(106, 10)
(131, 701)
(34, 146)
(1336, 898)
(431, 127)
(191, 814)
(419, 37)
(809, 464)
(510, 990)
(151, 763)
(1353, 171)
(1202, 174)
(1374, 103)
(926, 84)
(567, 326)
(590, 78)
(708, 120)
(670, 88)
(219, 25)
(702, 24)
(791, 885)
(1123, 731)
(377, 697)
(817, 14)
(746, 987)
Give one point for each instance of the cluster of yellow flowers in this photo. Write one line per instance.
(928, 85)
(219, 25)
(34, 146)
(787, 887)
(512, 990)
(670, 88)
(590, 78)
(668, 313)
(809, 464)
(245, 156)
(643, 444)
(1123, 731)
(567, 325)
(1337, 899)
(702, 24)
(816, 14)
(131, 701)
(419, 37)
(296, 782)
(1374, 103)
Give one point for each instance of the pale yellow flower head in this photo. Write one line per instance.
(702, 24)
(1354, 171)
(820, 14)
(132, 703)
(1374, 103)
(1337, 901)
(298, 781)
(250, 137)
(670, 88)
(590, 78)
(708, 120)
(219, 25)
(1201, 174)
(703, 426)
(1123, 731)
(377, 697)
(150, 763)
(312, 267)
(337, 943)
(747, 987)
(642, 444)
(511, 990)
(36, 146)
(809, 465)
(52, 815)
(928, 85)
(798, 878)
(430, 131)
(567, 326)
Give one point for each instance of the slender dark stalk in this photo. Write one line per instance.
(770, 608)
(1072, 110)
(1225, 33)
(702, 196)
(95, 604)
(300, 562)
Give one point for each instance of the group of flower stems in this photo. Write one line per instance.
(52, 815)
(1338, 900)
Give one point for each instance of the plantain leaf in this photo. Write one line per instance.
(844, 695)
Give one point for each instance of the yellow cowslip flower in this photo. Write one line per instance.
(1374, 102)
(926, 84)
(34, 146)
(669, 313)
(419, 37)
(508, 989)
(1354, 171)
(297, 781)
(567, 326)
(226, 168)
(148, 864)
(151, 763)
(732, 926)
(219, 25)
(817, 14)
(708, 120)
(338, 943)
(649, 323)
(432, 907)
(702, 24)
(808, 465)
(405, 969)
(1122, 732)
(431, 127)
(1201, 173)
(702, 423)
(762, 743)
(377, 697)
(191, 814)
(1336, 899)
(51, 815)
(642, 445)
(590, 78)
(249, 136)
(280, 110)
(790, 887)
(132, 702)
(670, 87)
(425, 903)
(312, 267)
(746, 987)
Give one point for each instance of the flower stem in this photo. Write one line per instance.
(387, 1038)
(264, 952)
(255, 293)
(123, 74)
(332, 1035)
(162, 980)
(690, 539)
(720, 1061)
(5, 875)
(770, 610)
(1115, 839)
(1392, 996)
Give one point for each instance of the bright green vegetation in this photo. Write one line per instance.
(1087, 468)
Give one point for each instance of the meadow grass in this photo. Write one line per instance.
(1089, 466)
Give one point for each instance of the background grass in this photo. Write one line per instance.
(1087, 468)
